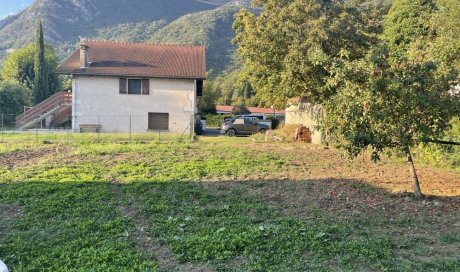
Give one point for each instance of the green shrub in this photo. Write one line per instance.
(214, 120)
(275, 121)
(446, 156)
(13, 98)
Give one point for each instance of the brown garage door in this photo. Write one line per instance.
(158, 121)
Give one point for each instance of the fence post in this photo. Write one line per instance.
(192, 127)
(98, 123)
(130, 127)
(3, 127)
(68, 130)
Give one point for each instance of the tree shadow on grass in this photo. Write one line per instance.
(251, 225)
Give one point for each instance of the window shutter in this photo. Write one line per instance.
(123, 85)
(145, 86)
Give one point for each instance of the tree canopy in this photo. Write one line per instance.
(33, 66)
(400, 95)
(19, 67)
(40, 89)
(382, 83)
(13, 98)
(408, 20)
(290, 45)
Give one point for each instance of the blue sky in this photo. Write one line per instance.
(8, 7)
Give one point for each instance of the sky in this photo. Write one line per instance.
(9, 7)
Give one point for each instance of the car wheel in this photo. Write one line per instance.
(231, 132)
(262, 131)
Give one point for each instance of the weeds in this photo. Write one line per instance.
(217, 201)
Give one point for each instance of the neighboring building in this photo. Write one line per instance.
(299, 112)
(224, 109)
(123, 87)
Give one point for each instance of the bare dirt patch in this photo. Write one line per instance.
(31, 156)
(9, 213)
(304, 161)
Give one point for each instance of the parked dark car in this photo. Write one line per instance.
(242, 126)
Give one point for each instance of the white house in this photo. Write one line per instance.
(123, 87)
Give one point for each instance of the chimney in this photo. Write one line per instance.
(83, 55)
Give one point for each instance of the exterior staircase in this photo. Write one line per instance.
(59, 105)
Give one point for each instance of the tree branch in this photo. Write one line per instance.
(441, 142)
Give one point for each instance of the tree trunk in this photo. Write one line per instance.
(417, 190)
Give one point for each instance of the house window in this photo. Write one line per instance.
(158, 121)
(134, 86)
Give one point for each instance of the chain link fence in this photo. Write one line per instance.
(97, 128)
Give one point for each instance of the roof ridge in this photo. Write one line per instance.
(139, 43)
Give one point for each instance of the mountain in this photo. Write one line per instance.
(68, 19)
(206, 22)
(212, 29)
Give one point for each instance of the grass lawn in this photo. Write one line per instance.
(218, 204)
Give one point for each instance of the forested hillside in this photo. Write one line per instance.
(167, 21)
(210, 28)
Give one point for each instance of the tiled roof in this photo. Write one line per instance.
(229, 109)
(137, 59)
(265, 110)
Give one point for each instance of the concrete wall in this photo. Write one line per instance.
(96, 100)
(304, 114)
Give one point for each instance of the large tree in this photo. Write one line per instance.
(13, 98)
(207, 102)
(448, 21)
(408, 20)
(19, 67)
(400, 95)
(290, 45)
(41, 88)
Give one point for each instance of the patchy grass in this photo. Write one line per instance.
(218, 225)
(67, 227)
(220, 204)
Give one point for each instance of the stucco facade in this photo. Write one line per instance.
(306, 115)
(96, 100)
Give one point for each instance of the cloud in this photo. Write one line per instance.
(3, 16)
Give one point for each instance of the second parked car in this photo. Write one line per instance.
(242, 126)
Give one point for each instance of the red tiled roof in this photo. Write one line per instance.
(265, 110)
(137, 59)
(225, 108)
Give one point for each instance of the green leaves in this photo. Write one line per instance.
(41, 86)
(400, 93)
(408, 21)
(290, 46)
(13, 97)
(19, 68)
(33, 67)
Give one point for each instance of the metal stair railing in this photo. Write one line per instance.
(49, 105)
(62, 115)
